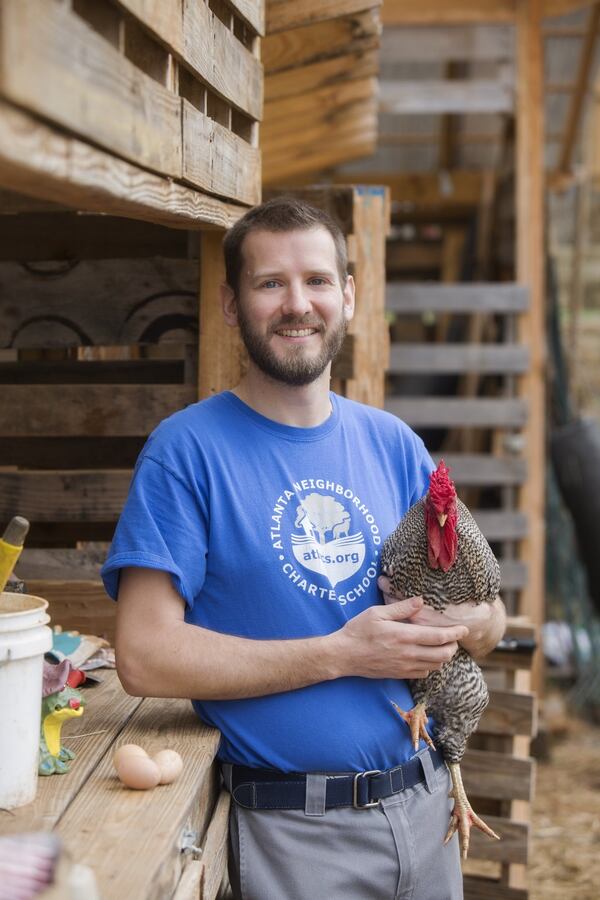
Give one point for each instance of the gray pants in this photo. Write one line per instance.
(393, 851)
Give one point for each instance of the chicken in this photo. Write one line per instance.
(438, 552)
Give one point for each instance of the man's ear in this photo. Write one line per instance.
(228, 305)
(348, 293)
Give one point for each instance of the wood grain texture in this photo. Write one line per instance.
(72, 410)
(509, 713)
(423, 189)
(497, 776)
(311, 43)
(217, 160)
(287, 14)
(349, 66)
(77, 605)
(512, 846)
(213, 52)
(371, 336)
(141, 294)
(38, 160)
(164, 18)
(54, 64)
(214, 848)
(438, 12)
(220, 351)
(64, 496)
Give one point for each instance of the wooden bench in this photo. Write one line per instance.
(133, 840)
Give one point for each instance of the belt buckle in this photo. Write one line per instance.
(355, 802)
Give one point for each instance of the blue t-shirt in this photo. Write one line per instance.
(274, 532)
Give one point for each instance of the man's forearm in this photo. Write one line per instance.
(189, 661)
(481, 641)
(159, 654)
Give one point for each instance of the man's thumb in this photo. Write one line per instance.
(402, 609)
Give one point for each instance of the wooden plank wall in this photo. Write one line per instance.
(171, 88)
(320, 87)
(94, 352)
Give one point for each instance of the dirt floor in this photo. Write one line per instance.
(565, 860)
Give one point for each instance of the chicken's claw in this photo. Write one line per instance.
(462, 817)
(416, 718)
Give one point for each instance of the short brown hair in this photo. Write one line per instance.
(280, 214)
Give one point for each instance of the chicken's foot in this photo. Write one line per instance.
(462, 816)
(416, 718)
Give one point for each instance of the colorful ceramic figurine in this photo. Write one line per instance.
(60, 701)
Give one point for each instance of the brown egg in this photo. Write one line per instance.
(138, 772)
(126, 751)
(170, 764)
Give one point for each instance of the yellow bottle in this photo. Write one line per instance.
(11, 544)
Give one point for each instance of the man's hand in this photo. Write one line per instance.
(383, 642)
(486, 622)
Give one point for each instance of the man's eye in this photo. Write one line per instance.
(270, 284)
(317, 280)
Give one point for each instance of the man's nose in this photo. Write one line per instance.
(296, 300)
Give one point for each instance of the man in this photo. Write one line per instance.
(248, 560)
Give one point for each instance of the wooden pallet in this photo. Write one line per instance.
(136, 108)
(497, 765)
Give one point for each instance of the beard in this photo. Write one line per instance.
(295, 368)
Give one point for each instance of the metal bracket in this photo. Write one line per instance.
(188, 843)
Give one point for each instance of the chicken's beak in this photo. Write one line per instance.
(442, 519)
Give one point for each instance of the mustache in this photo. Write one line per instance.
(293, 322)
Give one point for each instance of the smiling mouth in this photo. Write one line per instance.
(296, 332)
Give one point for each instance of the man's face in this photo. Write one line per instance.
(292, 310)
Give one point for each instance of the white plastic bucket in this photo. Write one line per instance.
(24, 638)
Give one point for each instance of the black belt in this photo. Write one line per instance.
(272, 789)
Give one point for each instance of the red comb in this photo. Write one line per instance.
(441, 487)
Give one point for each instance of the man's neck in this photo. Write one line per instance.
(304, 406)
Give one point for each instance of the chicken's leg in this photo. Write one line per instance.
(416, 718)
(462, 816)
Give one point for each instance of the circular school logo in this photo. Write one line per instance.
(318, 528)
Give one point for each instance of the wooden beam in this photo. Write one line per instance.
(419, 189)
(42, 162)
(438, 96)
(88, 409)
(458, 358)
(467, 43)
(369, 327)
(323, 40)
(586, 59)
(286, 14)
(220, 349)
(440, 12)
(411, 298)
(530, 272)
(348, 67)
(440, 412)
(557, 8)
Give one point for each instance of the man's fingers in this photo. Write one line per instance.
(401, 609)
(438, 635)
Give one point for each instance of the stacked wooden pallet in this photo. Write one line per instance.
(148, 110)
(320, 88)
(483, 414)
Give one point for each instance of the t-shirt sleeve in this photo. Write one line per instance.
(163, 526)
